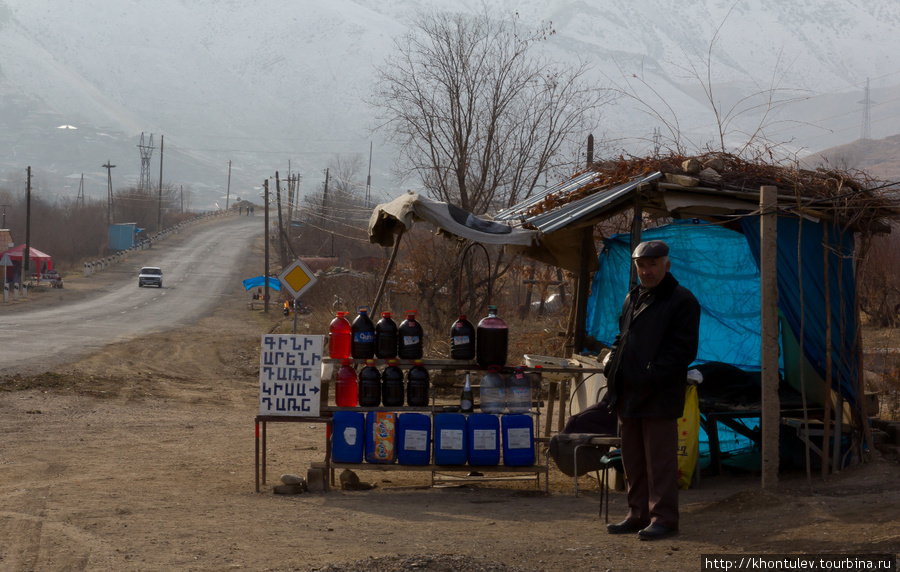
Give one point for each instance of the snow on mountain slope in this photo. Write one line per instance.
(271, 81)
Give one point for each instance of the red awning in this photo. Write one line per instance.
(34, 255)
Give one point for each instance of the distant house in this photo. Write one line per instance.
(6, 241)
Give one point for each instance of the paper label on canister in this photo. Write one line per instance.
(484, 440)
(460, 340)
(451, 439)
(410, 340)
(414, 440)
(350, 435)
(519, 438)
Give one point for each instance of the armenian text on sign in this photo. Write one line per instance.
(290, 375)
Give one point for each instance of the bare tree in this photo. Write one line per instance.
(346, 176)
(142, 206)
(479, 114)
(758, 110)
(334, 220)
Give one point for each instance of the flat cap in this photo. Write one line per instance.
(651, 249)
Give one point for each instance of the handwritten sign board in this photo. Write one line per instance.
(290, 375)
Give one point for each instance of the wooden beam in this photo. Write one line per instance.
(584, 281)
(637, 224)
(771, 407)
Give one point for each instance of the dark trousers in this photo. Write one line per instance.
(650, 459)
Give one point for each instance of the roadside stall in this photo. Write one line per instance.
(710, 209)
(40, 265)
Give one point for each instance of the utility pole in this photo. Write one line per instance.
(228, 191)
(26, 266)
(281, 246)
(590, 150)
(159, 205)
(325, 194)
(324, 207)
(369, 177)
(109, 192)
(182, 199)
(266, 275)
(3, 224)
(79, 200)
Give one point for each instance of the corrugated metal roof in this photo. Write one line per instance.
(576, 210)
(518, 211)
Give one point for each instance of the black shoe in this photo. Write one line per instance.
(656, 531)
(625, 527)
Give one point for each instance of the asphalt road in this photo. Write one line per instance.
(198, 272)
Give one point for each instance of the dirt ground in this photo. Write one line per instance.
(141, 457)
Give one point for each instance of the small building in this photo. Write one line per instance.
(121, 236)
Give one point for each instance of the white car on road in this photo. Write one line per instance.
(150, 275)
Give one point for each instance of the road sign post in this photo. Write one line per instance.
(297, 278)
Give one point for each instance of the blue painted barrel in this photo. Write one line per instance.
(518, 439)
(414, 439)
(381, 437)
(450, 439)
(483, 435)
(348, 437)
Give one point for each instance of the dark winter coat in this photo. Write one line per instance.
(647, 368)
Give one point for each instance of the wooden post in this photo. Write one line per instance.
(387, 272)
(771, 414)
(637, 224)
(584, 280)
(826, 416)
(266, 273)
(529, 289)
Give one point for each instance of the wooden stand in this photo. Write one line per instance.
(445, 475)
(440, 474)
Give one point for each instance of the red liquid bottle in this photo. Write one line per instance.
(346, 390)
(339, 337)
(491, 340)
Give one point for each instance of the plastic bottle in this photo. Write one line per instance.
(491, 340)
(362, 343)
(346, 392)
(386, 337)
(518, 391)
(339, 337)
(369, 385)
(410, 337)
(392, 385)
(417, 385)
(466, 401)
(462, 339)
(493, 391)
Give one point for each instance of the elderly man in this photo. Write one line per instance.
(647, 373)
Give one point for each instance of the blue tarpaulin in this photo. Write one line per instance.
(260, 281)
(812, 237)
(720, 267)
(712, 262)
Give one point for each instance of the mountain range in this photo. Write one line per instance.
(279, 85)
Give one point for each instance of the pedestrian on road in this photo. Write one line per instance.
(647, 379)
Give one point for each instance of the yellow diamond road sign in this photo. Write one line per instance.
(297, 278)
